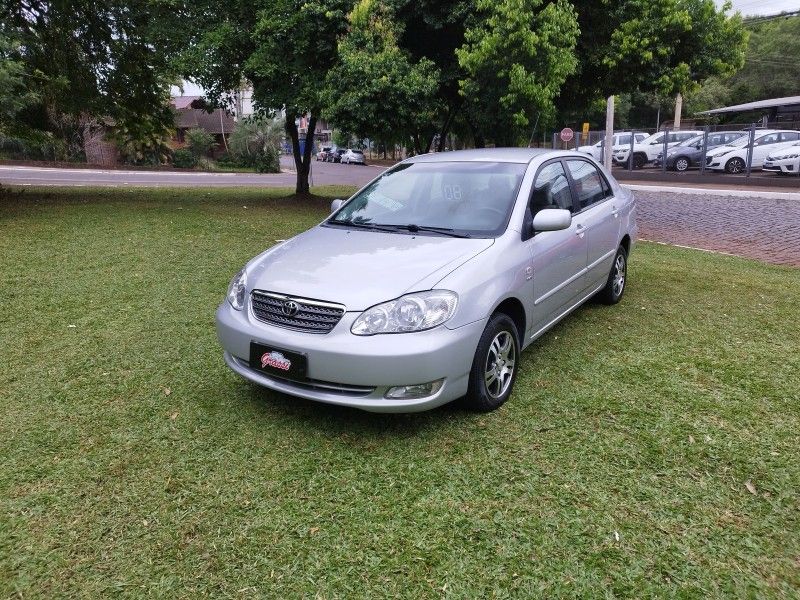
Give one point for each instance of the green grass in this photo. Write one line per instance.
(618, 468)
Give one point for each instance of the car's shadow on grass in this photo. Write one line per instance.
(336, 420)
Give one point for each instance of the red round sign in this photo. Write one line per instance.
(567, 134)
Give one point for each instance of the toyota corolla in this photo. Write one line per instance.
(426, 285)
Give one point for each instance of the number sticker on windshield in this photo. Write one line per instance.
(452, 192)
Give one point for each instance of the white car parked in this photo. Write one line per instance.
(351, 156)
(620, 140)
(648, 149)
(732, 158)
(786, 160)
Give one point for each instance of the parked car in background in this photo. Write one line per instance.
(647, 150)
(335, 155)
(732, 158)
(323, 152)
(351, 156)
(785, 161)
(427, 284)
(689, 153)
(623, 138)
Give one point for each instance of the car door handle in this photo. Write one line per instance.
(579, 230)
(614, 211)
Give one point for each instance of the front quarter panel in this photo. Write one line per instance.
(488, 279)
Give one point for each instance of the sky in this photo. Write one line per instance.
(763, 7)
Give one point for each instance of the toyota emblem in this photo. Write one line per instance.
(290, 308)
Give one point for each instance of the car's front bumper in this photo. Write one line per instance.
(790, 166)
(352, 370)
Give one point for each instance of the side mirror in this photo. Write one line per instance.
(336, 205)
(552, 219)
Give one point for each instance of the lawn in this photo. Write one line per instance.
(649, 449)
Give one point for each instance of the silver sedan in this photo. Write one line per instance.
(426, 285)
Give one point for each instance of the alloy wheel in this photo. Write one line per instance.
(735, 165)
(500, 361)
(681, 164)
(619, 275)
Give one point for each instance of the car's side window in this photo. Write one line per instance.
(551, 189)
(716, 140)
(589, 184)
(789, 136)
(768, 139)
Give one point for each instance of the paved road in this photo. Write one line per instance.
(321, 174)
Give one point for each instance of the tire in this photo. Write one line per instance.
(681, 164)
(735, 165)
(639, 160)
(499, 347)
(617, 279)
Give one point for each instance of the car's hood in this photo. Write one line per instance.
(723, 150)
(786, 152)
(685, 150)
(359, 268)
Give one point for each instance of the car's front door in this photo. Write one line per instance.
(597, 217)
(558, 257)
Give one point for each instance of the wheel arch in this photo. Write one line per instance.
(515, 310)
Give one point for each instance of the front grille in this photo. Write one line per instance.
(313, 316)
(709, 159)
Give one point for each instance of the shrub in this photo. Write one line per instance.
(256, 143)
(199, 141)
(184, 159)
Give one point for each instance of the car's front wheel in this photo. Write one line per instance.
(735, 165)
(495, 365)
(639, 160)
(681, 163)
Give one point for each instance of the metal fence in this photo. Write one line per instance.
(675, 150)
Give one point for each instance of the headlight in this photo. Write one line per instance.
(412, 312)
(237, 290)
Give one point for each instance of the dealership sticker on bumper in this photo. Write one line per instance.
(278, 362)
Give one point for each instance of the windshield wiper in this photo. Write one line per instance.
(443, 230)
(363, 225)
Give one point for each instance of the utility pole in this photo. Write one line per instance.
(678, 109)
(608, 142)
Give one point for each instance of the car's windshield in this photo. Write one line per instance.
(471, 198)
(742, 141)
(692, 141)
(656, 137)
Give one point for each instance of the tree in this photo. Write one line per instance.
(667, 47)
(394, 98)
(516, 57)
(94, 59)
(15, 93)
(284, 48)
(770, 70)
(415, 70)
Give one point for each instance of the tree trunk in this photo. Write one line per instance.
(302, 163)
(445, 131)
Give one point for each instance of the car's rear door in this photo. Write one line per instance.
(596, 217)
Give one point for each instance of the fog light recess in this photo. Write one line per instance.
(414, 392)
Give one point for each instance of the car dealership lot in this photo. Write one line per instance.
(650, 449)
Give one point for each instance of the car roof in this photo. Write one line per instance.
(505, 155)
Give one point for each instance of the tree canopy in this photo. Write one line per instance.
(98, 59)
